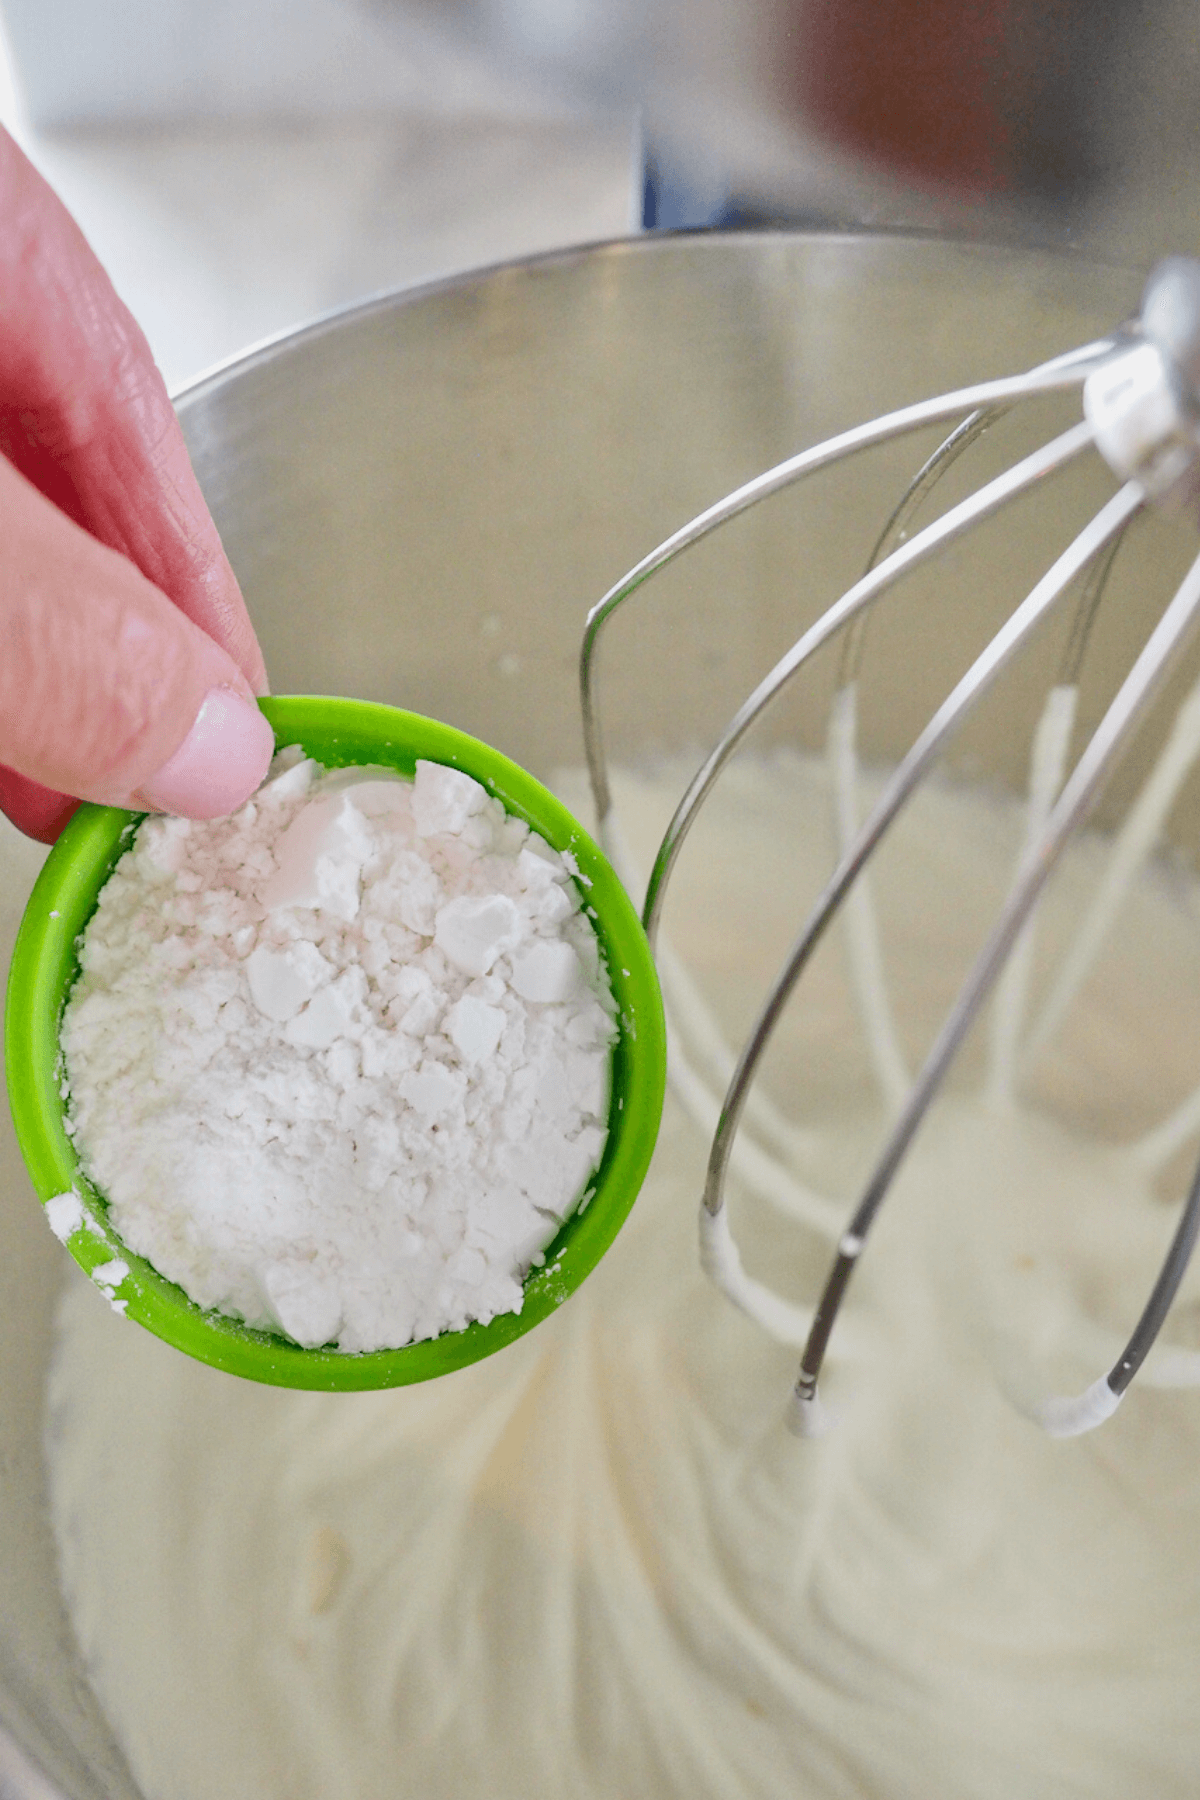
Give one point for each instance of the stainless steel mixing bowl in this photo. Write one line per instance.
(422, 495)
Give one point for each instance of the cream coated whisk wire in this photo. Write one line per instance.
(1141, 401)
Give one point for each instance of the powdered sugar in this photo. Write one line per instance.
(340, 1063)
(64, 1214)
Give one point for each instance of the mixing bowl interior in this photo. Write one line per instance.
(422, 496)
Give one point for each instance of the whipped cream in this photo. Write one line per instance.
(598, 1564)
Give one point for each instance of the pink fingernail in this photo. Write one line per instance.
(219, 763)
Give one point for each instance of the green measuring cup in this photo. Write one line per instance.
(337, 733)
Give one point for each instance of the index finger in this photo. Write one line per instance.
(85, 415)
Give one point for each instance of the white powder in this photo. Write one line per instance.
(64, 1214)
(340, 1063)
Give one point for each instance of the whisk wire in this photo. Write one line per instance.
(1047, 767)
(1108, 741)
(864, 947)
(891, 802)
(1162, 1294)
(1015, 481)
(1134, 843)
(1061, 373)
(1141, 405)
(895, 528)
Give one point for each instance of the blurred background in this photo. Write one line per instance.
(241, 165)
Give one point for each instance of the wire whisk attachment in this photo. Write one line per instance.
(1140, 393)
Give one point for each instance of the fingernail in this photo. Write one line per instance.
(219, 763)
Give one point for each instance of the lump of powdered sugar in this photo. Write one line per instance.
(340, 1063)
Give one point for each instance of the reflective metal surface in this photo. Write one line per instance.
(423, 497)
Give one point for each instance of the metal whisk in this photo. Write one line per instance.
(1141, 405)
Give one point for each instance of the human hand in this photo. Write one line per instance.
(128, 664)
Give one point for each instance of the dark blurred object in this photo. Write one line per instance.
(1059, 122)
(998, 97)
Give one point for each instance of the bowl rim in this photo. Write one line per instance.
(705, 239)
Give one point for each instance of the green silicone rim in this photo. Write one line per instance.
(336, 732)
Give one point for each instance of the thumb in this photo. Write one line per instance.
(107, 691)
